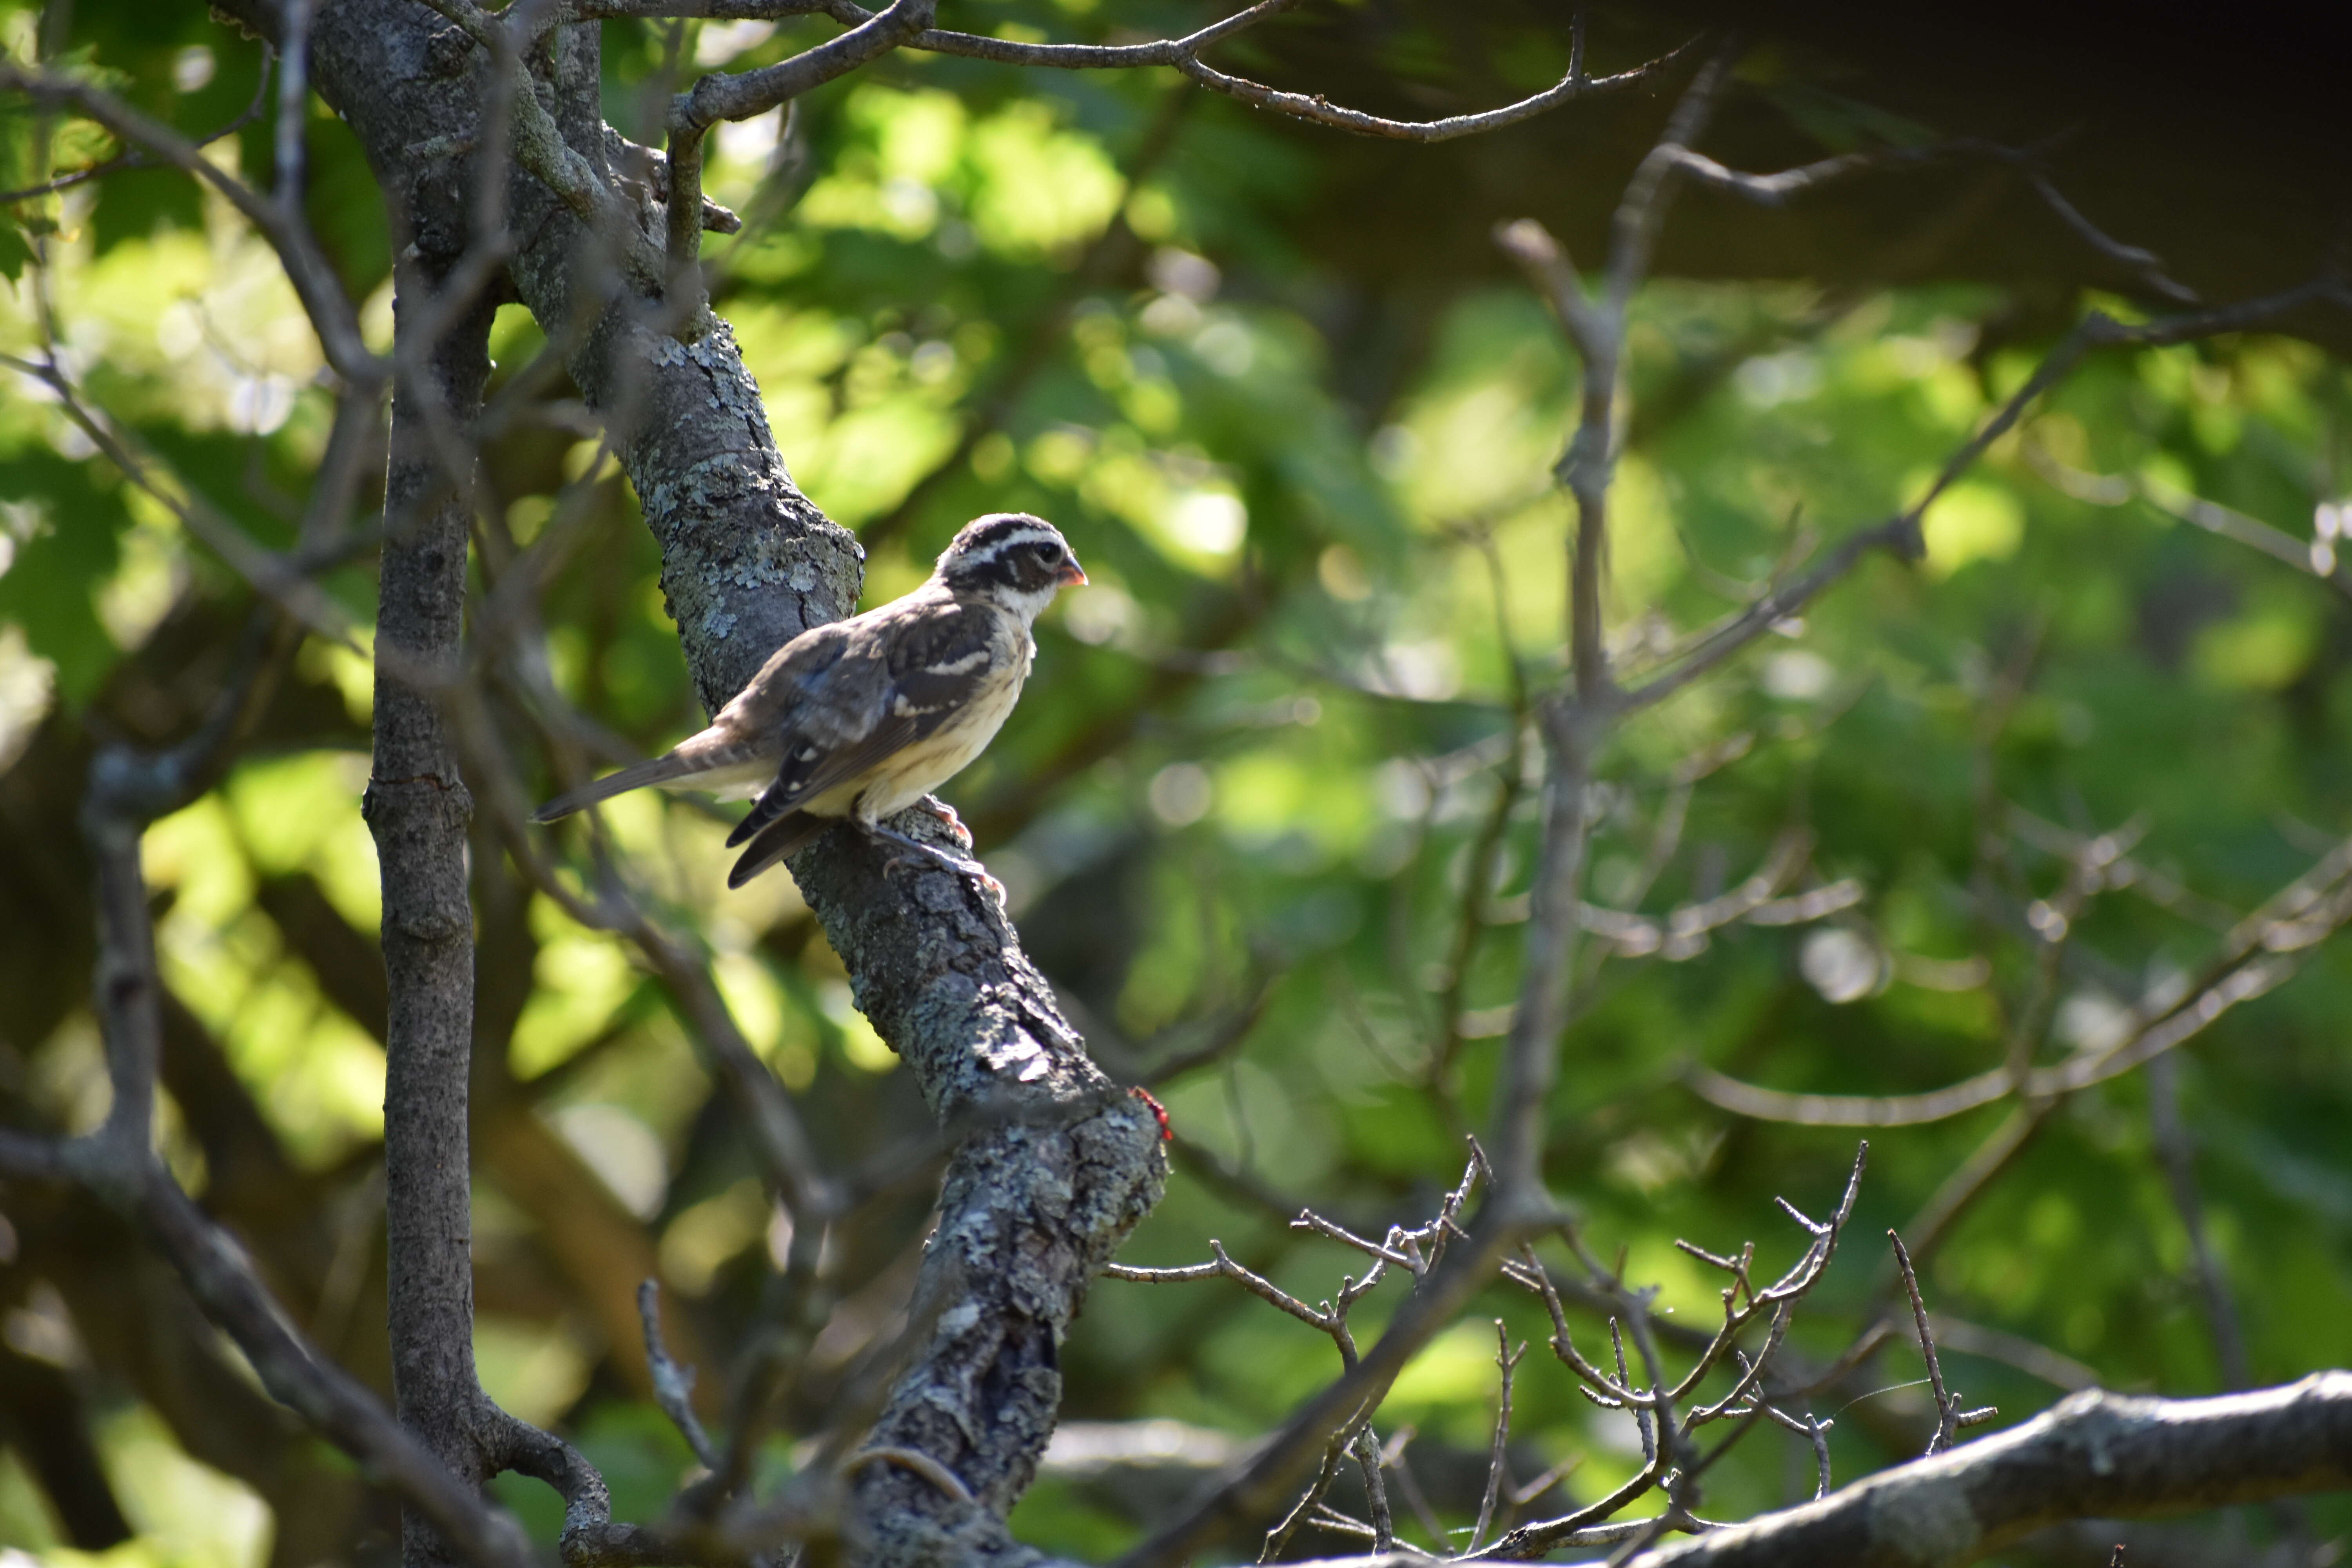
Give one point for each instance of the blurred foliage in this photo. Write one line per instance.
(1243, 796)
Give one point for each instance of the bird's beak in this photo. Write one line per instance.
(1072, 575)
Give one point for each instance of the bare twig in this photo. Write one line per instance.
(1818, 1433)
(1778, 189)
(1642, 1420)
(293, 105)
(1184, 55)
(1901, 534)
(1393, 1457)
(1950, 1417)
(2143, 264)
(1376, 1492)
(1309, 1506)
(1319, 1432)
(673, 1383)
(1682, 933)
(1968, 1180)
(2178, 1157)
(1498, 1459)
(285, 580)
(1667, 1443)
(1898, 536)
(1477, 893)
(1417, 1250)
(1317, 109)
(2316, 557)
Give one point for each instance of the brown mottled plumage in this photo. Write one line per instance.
(864, 717)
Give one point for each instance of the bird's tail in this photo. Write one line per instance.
(774, 841)
(661, 769)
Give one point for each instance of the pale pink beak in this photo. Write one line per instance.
(1072, 575)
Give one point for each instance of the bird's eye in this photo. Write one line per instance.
(1048, 551)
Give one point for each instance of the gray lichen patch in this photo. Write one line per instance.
(731, 389)
(1925, 1519)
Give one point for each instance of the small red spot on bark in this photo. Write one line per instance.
(1167, 1134)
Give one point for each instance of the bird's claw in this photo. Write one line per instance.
(966, 867)
(918, 853)
(945, 815)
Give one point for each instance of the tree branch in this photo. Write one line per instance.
(1184, 53)
(2095, 1455)
(417, 808)
(1900, 534)
(720, 95)
(1315, 110)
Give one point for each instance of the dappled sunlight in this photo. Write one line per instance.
(2014, 853)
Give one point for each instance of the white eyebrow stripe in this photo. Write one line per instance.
(995, 547)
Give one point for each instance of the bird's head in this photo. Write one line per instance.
(1017, 560)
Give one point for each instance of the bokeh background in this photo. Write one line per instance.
(1265, 813)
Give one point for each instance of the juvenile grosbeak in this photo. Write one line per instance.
(863, 717)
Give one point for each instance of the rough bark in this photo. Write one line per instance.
(417, 808)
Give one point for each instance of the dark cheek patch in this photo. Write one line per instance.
(971, 574)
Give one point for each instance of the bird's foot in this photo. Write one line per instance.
(945, 814)
(961, 865)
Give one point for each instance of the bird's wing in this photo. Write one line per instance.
(904, 670)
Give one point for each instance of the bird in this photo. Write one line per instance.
(862, 717)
